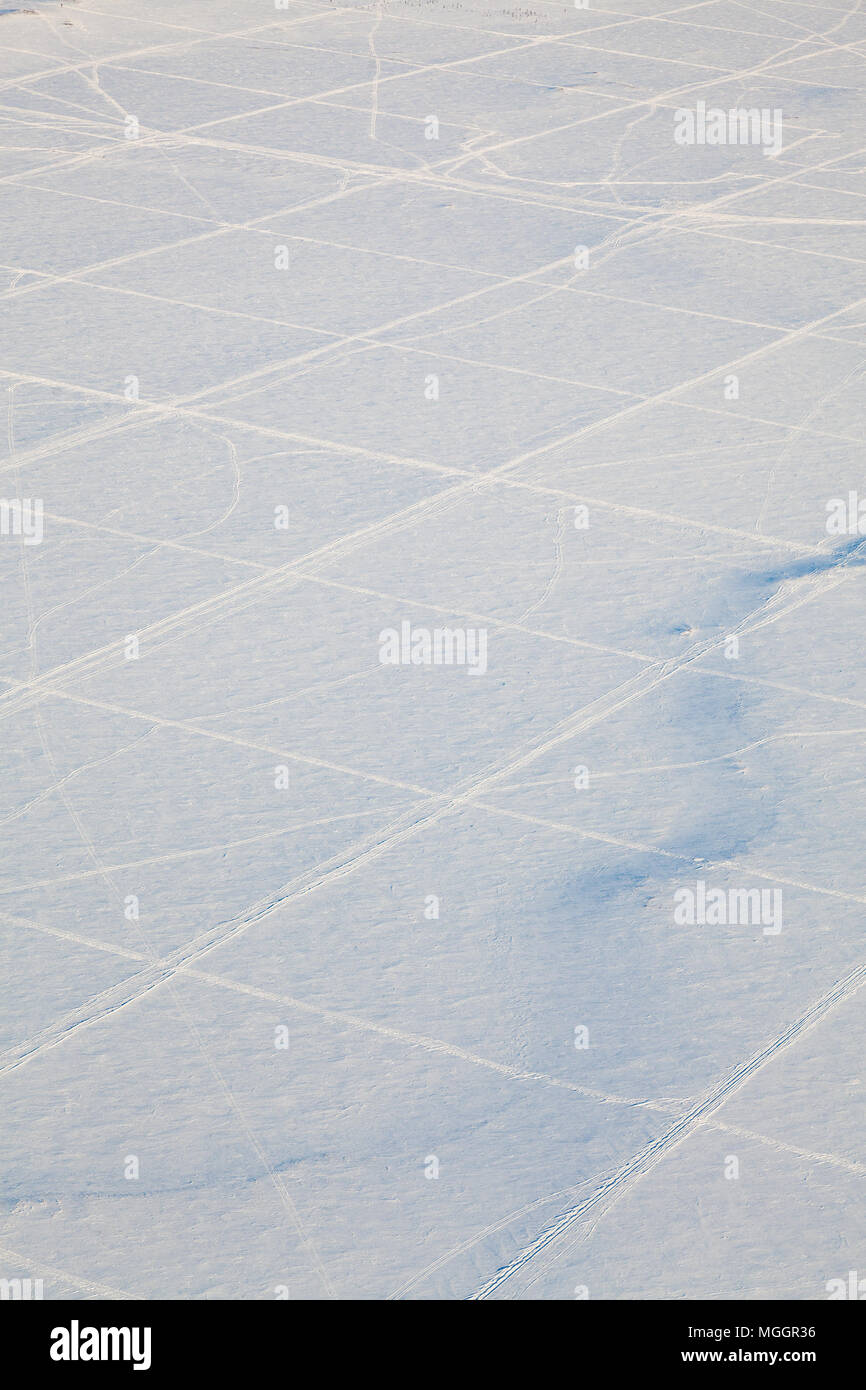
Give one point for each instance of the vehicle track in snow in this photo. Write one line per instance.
(620, 1183)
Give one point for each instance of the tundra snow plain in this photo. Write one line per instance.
(327, 975)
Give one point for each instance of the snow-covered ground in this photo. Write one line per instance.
(333, 968)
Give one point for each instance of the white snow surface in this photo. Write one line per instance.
(330, 978)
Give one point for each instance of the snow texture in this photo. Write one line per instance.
(432, 648)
